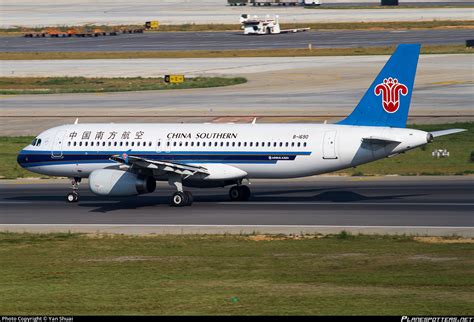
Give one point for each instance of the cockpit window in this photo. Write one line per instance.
(36, 142)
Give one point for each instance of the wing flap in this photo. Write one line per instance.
(159, 165)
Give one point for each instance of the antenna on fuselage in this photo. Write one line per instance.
(76, 121)
(254, 120)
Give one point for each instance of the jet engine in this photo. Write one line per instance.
(110, 182)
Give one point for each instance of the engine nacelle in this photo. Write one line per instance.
(110, 182)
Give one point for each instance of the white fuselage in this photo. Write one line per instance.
(259, 150)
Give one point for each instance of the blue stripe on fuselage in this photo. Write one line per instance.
(29, 158)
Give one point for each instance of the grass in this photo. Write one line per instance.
(71, 274)
(415, 162)
(379, 25)
(9, 148)
(55, 85)
(284, 52)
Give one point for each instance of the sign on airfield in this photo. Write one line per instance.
(174, 79)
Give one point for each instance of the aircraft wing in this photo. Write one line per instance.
(379, 140)
(446, 132)
(166, 166)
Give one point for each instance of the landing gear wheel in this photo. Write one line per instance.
(72, 197)
(190, 198)
(239, 193)
(179, 199)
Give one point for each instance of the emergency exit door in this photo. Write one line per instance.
(329, 145)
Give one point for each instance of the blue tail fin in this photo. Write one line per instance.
(387, 101)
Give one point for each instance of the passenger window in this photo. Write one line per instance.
(69, 144)
(86, 143)
(250, 144)
(180, 143)
(74, 143)
(126, 143)
(299, 144)
(281, 144)
(292, 144)
(197, 143)
(274, 144)
(39, 142)
(222, 143)
(233, 143)
(80, 143)
(245, 143)
(115, 143)
(238, 144)
(174, 143)
(103, 143)
(227, 144)
(304, 144)
(215, 143)
(149, 143)
(192, 143)
(256, 144)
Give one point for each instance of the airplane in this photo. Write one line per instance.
(128, 159)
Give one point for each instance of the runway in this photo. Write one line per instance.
(299, 86)
(63, 12)
(178, 41)
(413, 204)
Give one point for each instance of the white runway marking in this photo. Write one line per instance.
(13, 202)
(346, 203)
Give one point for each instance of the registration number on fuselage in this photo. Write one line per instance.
(300, 136)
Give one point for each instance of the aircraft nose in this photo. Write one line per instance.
(21, 159)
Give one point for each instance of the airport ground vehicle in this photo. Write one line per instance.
(264, 26)
(127, 159)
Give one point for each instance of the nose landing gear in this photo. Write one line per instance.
(74, 195)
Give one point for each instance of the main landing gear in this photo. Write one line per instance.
(180, 198)
(74, 195)
(239, 193)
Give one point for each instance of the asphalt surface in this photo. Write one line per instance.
(299, 86)
(404, 202)
(177, 41)
(65, 12)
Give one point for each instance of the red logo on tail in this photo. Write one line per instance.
(391, 90)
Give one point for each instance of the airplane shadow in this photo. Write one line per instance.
(98, 204)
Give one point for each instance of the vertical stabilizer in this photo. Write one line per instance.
(387, 101)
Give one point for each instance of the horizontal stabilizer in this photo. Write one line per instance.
(446, 132)
(379, 140)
